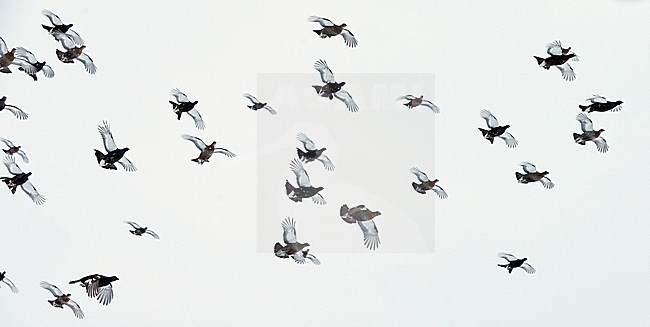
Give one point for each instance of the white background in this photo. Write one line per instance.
(587, 238)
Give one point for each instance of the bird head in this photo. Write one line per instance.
(524, 259)
(600, 131)
(341, 84)
(421, 97)
(619, 102)
(544, 173)
(126, 149)
(506, 126)
(114, 278)
(344, 25)
(435, 181)
(195, 102)
(3, 98)
(29, 174)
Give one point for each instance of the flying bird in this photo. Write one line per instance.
(9, 283)
(363, 217)
(98, 286)
(415, 102)
(513, 263)
(600, 104)
(559, 61)
(331, 88)
(588, 134)
(62, 299)
(185, 105)
(311, 153)
(141, 230)
(76, 53)
(30, 65)
(532, 175)
(13, 149)
(304, 189)
(206, 150)
(555, 49)
(8, 58)
(113, 154)
(297, 251)
(496, 130)
(60, 29)
(20, 179)
(257, 105)
(426, 184)
(330, 29)
(13, 109)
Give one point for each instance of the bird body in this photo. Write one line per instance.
(257, 105)
(312, 153)
(514, 262)
(6, 281)
(332, 89)
(558, 58)
(305, 189)
(61, 30)
(62, 299)
(589, 134)
(98, 286)
(30, 65)
(426, 184)
(113, 153)
(76, 53)
(298, 251)
(139, 230)
(21, 179)
(601, 104)
(206, 150)
(330, 29)
(414, 102)
(532, 175)
(495, 130)
(363, 217)
(184, 105)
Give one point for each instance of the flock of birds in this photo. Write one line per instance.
(100, 286)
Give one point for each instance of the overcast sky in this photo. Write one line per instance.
(587, 237)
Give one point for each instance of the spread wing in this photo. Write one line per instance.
(306, 141)
(301, 174)
(547, 183)
(26, 54)
(345, 214)
(510, 140)
(54, 19)
(406, 97)
(585, 122)
(11, 165)
(313, 259)
(152, 233)
(601, 144)
(567, 72)
(33, 193)
(127, 164)
(107, 136)
(3, 46)
(66, 41)
(528, 167)
(440, 192)
(322, 21)
(7, 142)
(75, 37)
(347, 99)
(198, 121)
(224, 152)
(271, 110)
(349, 38)
(180, 96)
(289, 231)
(197, 141)
(133, 224)
(422, 177)
(326, 74)
(75, 308)
(491, 121)
(298, 257)
(528, 268)
(370, 234)
(431, 106)
(11, 285)
(53, 289)
(319, 199)
(252, 98)
(48, 71)
(25, 65)
(507, 256)
(88, 63)
(554, 48)
(326, 162)
(17, 112)
(105, 294)
(597, 99)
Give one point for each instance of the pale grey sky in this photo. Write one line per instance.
(587, 237)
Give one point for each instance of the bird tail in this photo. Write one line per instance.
(584, 108)
(199, 161)
(301, 154)
(504, 266)
(317, 32)
(486, 136)
(277, 247)
(61, 55)
(318, 88)
(417, 188)
(5, 151)
(99, 155)
(540, 61)
(578, 138)
(5, 70)
(47, 28)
